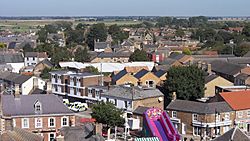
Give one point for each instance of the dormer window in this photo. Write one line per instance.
(38, 107)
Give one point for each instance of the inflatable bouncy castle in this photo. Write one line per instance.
(158, 124)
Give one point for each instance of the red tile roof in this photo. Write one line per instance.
(238, 100)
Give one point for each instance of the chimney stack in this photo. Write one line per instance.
(174, 96)
(209, 68)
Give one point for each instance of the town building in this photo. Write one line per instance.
(69, 83)
(33, 58)
(200, 119)
(40, 114)
(14, 83)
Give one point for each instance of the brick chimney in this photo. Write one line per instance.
(17, 91)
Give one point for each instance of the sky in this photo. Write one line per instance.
(125, 8)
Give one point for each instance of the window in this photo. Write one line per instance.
(174, 114)
(248, 113)
(107, 99)
(51, 122)
(195, 117)
(239, 114)
(151, 84)
(115, 102)
(14, 123)
(227, 116)
(126, 104)
(65, 121)
(56, 89)
(38, 122)
(25, 123)
(196, 131)
(33, 58)
(27, 59)
(52, 137)
(38, 107)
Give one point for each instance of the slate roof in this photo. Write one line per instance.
(81, 133)
(140, 110)
(242, 76)
(24, 105)
(134, 93)
(101, 45)
(239, 60)
(199, 107)
(14, 77)
(18, 134)
(36, 54)
(168, 61)
(176, 56)
(141, 73)
(113, 54)
(210, 78)
(46, 62)
(225, 67)
(11, 57)
(234, 134)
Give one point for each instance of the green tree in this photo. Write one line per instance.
(163, 21)
(242, 49)
(80, 26)
(179, 33)
(117, 34)
(45, 73)
(81, 55)
(74, 36)
(107, 113)
(188, 82)
(186, 51)
(97, 32)
(138, 55)
(60, 54)
(42, 35)
(92, 70)
(246, 30)
(3, 45)
(27, 48)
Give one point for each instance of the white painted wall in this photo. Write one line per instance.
(41, 84)
(16, 66)
(27, 86)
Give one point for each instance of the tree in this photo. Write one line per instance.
(74, 36)
(163, 21)
(107, 113)
(45, 73)
(186, 51)
(179, 33)
(3, 45)
(81, 55)
(60, 54)
(27, 48)
(188, 82)
(246, 30)
(117, 34)
(97, 32)
(242, 49)
(80, 26)
(138, 55)
(92, 70)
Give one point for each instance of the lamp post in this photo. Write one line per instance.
(215, 132)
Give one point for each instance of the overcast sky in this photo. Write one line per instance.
(125, 8)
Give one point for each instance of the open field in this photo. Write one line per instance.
(27, 25)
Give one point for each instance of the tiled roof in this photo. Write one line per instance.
(36, 54)
(114, 54)
(20, 135)
(24, 105)
(238, 100)
(199, 107)
(234, 134)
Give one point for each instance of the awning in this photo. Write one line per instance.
(147, 139)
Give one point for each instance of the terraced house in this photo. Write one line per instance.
(40, 114)
(201, 119)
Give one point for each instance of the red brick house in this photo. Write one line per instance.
(40, 114)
